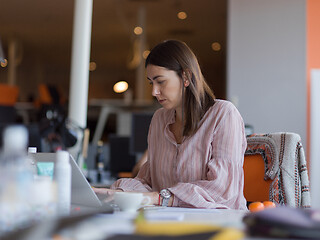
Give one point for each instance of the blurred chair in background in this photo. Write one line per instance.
(8, 115)
(8, 98)
(275, 169)
(56, 130)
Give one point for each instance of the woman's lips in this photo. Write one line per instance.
(161, 101)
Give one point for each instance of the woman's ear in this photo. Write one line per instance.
(186, 83)
(186, 78)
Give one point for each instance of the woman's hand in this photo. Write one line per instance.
(105, 194)
(154, 196)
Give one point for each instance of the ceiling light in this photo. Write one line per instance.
(182, 15)
(4, 63)
(138, 30)
(92, 66)
(120, 87)
(216, 46)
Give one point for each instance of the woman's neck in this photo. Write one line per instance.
(178, 114)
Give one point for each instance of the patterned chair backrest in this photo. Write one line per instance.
(279, 160)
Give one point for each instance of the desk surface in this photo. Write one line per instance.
(103, 226)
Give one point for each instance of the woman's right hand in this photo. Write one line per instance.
(105, 194)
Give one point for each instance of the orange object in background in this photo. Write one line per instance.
(8, 94)
(256, 207)
(255, 187)
(269, 204)
(259, 206)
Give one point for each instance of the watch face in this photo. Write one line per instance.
(165, 193)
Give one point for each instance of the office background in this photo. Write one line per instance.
(263, 64)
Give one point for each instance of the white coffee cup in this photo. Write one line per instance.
(130, 201)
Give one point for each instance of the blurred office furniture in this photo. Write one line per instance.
(9, 111)
(121, 160)
(26, 112)
(126, 152)
(123, 109)
(140, 122)
(49, 94)
(8, 98)
(275, 169)
(8, 94)
(50, 102)
(139, 138)
(56, 129)
(8, 114)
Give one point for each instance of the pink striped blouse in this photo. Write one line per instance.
(205, 170)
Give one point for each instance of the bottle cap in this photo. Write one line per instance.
(15, 137)
(32, 150)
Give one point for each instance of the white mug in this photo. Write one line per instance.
(130, 201)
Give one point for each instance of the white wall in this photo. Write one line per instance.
(315, 138)
(266, 63)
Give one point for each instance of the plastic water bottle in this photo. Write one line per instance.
(16, 180)
(62, 176)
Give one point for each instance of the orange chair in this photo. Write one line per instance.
(254, 170)
(8, 94)
(275, 169)
(8, 98)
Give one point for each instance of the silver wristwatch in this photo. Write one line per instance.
(165, 194)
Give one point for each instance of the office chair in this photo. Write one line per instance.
(275, 169)
(9, 94)
(8, 98)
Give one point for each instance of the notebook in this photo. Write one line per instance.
(82, 194)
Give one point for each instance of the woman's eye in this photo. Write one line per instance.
(160, 82)
(151, 83)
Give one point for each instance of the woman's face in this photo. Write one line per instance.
(166, 86)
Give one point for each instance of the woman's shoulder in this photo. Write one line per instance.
(222, 106)
(162, 114)
(222, 109)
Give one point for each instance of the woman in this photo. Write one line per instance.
(196, 143)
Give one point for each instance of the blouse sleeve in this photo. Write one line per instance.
(141, 183)
(223, 186)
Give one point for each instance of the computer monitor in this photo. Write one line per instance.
(120, 158)
(139, 131)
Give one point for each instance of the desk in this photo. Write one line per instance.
(103, 226)
(108, 106)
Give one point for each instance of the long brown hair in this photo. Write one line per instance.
(197, 97)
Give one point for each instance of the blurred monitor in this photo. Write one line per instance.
(139, 131)
(8, 115)
(120, 158)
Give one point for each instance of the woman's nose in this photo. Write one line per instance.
(155, 91)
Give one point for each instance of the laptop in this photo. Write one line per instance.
(82, 195)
